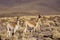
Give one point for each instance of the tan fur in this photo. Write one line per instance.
(32, 22)
(13, 24)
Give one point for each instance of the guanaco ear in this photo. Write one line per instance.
(17, 18)
(39, 16)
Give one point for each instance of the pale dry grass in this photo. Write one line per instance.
(48, 26)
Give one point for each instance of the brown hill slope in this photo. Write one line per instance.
(29, 7)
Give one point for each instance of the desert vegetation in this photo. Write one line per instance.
(40, 27)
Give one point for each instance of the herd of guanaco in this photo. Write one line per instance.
(13, 29)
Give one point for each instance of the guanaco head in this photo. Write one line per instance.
(39, 16)
(17, 18)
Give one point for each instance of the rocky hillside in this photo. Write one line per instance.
(29, 7)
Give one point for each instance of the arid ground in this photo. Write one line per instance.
(48, 28)
(29, 26)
